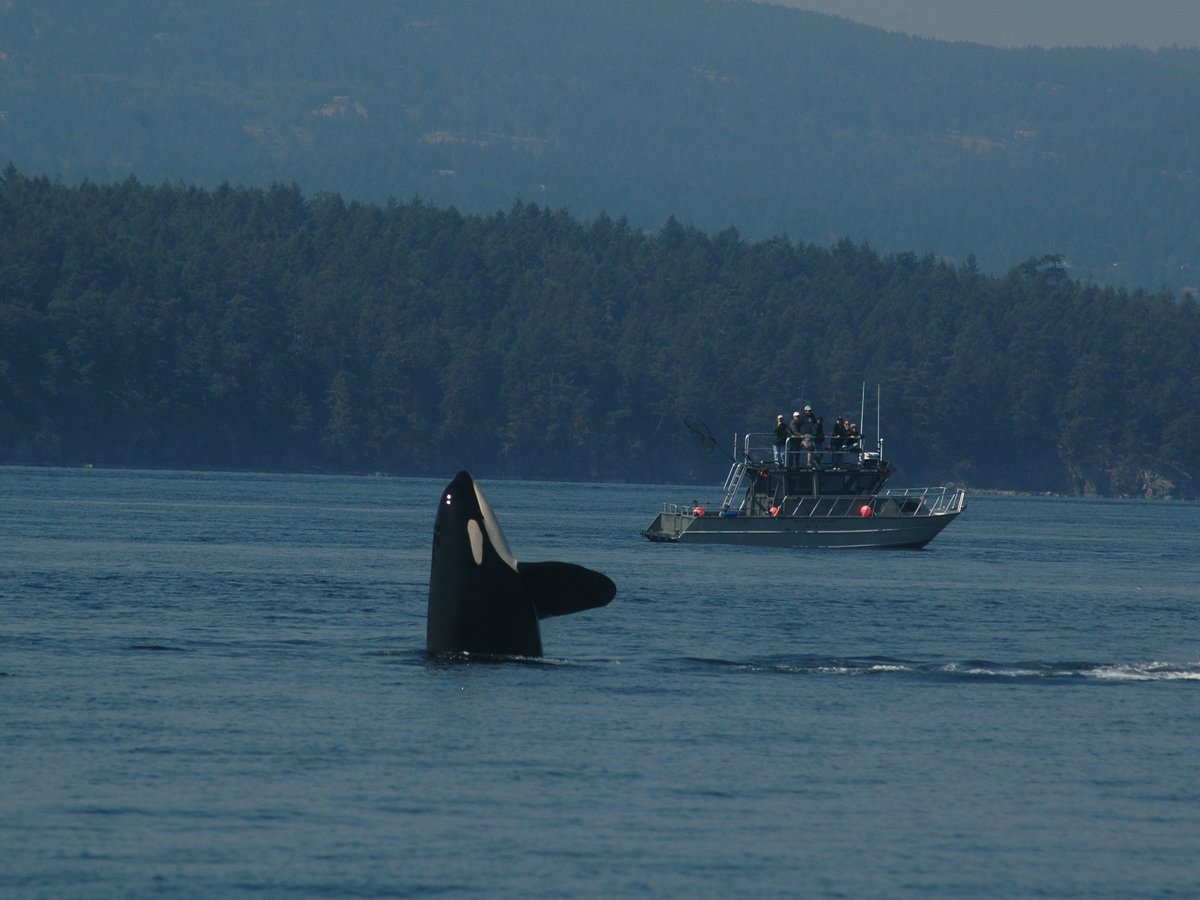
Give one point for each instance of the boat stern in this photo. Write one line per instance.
(667, 527)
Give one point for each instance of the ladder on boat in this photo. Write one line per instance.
(733, 483)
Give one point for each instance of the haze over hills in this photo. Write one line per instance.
(773, 120)
(1026, 23)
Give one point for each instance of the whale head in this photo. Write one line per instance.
(481, 599)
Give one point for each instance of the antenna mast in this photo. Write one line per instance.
(862, 412)
(878, 427)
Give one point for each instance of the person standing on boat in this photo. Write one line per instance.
(796, 441)
(819, 438)
(804, 428)
(809, 431)
(838, 442)
(782, 433)
(839, 434)
(809, 421)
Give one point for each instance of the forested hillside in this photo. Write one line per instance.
(172, 325)
(767, 119)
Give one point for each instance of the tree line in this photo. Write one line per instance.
(172, 325)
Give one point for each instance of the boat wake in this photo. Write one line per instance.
(966, 670)
(1150, 671)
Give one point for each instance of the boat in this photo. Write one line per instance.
(811, 498)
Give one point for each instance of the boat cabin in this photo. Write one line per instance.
(775, 487)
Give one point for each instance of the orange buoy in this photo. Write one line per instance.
(865, 511)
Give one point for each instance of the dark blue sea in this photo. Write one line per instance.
(213, 685)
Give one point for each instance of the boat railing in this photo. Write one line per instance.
(889, 503)
(695, 508)
(759, 449)
(928, 501)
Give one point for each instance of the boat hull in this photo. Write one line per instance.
(770, 531)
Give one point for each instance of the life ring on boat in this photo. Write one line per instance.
(774, 511)
(865, 511)
(698, 512)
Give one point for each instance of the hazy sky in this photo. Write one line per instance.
(1019, 23)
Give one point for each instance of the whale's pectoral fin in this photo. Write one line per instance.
(557, 589)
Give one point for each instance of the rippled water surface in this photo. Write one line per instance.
(214, 685)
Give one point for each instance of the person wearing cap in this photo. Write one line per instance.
(782, 433)
(804, 427)
(795, 439)
(853, 437)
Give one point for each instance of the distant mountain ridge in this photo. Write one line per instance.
(772, 120)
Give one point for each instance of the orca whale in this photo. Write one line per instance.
(481, 600)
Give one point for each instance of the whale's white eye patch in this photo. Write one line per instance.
(494, 534)
(475, 533)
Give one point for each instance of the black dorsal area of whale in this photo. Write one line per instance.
(481, 600)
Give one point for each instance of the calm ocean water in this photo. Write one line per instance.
(213, 685)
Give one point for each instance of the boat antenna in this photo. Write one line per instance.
(878, 427)
(862, 412)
